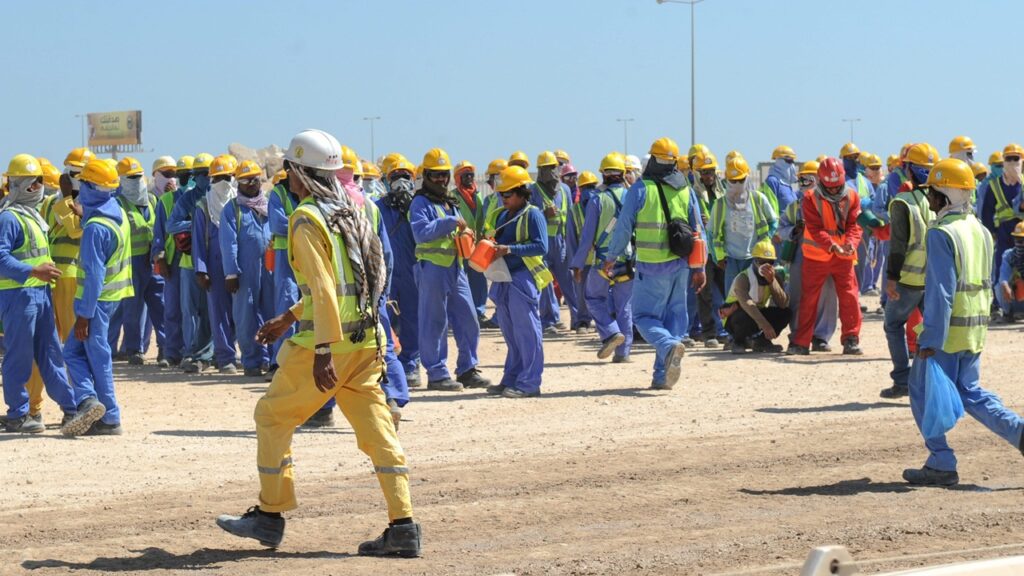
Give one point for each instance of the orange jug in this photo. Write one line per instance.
(268, 259)
(464, 243)
(698, 256)
(1018, 290)
(483, 255)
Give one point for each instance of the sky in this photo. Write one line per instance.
(482, 78)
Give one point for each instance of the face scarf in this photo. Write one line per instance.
(134, 190)
(24, 194)
(784, 171)
(98, 201)
(664, 172)
(218, 196)
(76, 184)
(806, 181)
(850, 165)
(465, 183)
(548, 175)
(202, 181)
(436, 192)
(355, 192)
(959, 201)
(160, 183)
(919, 174)
(965, 155)
(736, 194)
(257, 202)
(400, 195)
(1011, 172)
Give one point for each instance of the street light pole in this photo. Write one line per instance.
(693, 65)
(625, 133)
(82, 116)
(851, 121)
(373, 152)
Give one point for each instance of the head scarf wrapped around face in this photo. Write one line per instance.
(23, 196)
(134, 190)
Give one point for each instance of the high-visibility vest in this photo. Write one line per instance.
(556, 223)
(611, 205)
(492, 207)
(352, 321)
(170, 250)
(770, 195)
(117, 279)
(141, 226)
(34, 250)
(762, 294)
(63, 248)
(972, 254)
(863, 189)
(912, 272)
(652, 222)
(718, 240)
(474, 217)
(281, 242)
(1004, 212)
(440, 251)
(534, 264)
(810, 247)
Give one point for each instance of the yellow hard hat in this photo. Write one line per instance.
(129, 166)
(111, 162)
(546, 158)
(665, 149)
(892, 162)
(100, 173)
(436, 159)
(848, 149)
(389, 161)
(1013, 149)
(24, 165)
(763, 250)
(186, 163)
(248, 169)
(961, 144)
(922, 155)
(613, 161)
(163, 163)
(996, 158)
(278, 176)
(870, 160)
(683, 163)
(496, 166)
(1018, 230)
(202, 160)
(783, 152)
(736, 168)
(513, 177)
(821, 158)
(951, 173)
(979, 169)
(697, 150)
(732, 154)
(44, 162)
(223, 165)
(78, 158)
(370, 169)
(51, 176)
(519, 156)
(705, 161)
(402, 164)
(587, 178)
(563, 156)
(464, 165)
(809, 168)
(350, 160)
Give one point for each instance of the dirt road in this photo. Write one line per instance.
(749, 463)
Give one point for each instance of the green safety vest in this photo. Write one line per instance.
(170, 250)
(534, 264)
(793, 211)
(863, 189)
(307, 212)
(117, 280)
(63, 248)
(141, 226)
(492, 207)
(718, 224)
(34, 250)
(652, 222)
(440, 251)
(972, 247)
(281, 242)
(1004, 212)
(770, 195)
(474, 217)
(912, 272)
(606, 224)
(764, 293)
(556, 223)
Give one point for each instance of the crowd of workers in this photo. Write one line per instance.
(355, 271)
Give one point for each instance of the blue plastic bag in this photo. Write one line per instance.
(942, 403)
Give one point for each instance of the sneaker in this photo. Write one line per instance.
(871, 292)
(193, 366)
(609, 344)
(444, 385)
(228, 369)
(880, 311)
(495, 390)
(413, 379)
(396, 413)
(269, 377)
(851, 347)
(517, 393)
(582, 330)
(322, 418)
(712, 343)
(795, 350)
(89, 412)
(488, 324)
(68, 416)
(674, 364)
(99, 428)
(253, 372)
(256, 525)
(551, 331)
(895, 391)
(162, 362)
(560, 325)
(689, 342)
(136, 359)
(762, 345)
(819, 345)
(931, 477)
(472, 379)
(621, 359)
(24, 425)
(397, 540)
(36, 417)
(1009, 318)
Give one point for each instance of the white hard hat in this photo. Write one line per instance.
(315, 149)
(633, 163)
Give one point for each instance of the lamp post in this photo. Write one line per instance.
(82, 116)
(373, 153)
(693, 76)
(851, 121)
(625, 133)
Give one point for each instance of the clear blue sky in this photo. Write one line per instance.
(482, 78)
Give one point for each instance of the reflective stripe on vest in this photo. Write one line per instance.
(117, 278)
(912, 272)
(281, 242)
(1003, 212)
(770, 195)
(652, 223)
(63, 248)
(810, 247)
(33, 251)
(439, 251)
(762, 294)
(534, 264)
(606, 224)
(140, 225)
(718, 240)
(474, 217)
(972, 254)
(863, 190)
(556, 223)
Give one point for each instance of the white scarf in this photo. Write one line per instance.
(219, 195)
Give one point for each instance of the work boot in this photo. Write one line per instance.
(895, 391)
(551, 331)
(269, 530)
(99, 428)
(819, 345)
(517, 393)
(444, 385)
(162, 362)
(762, 345)
(472, 379)
(228, 369)
(89, 412)
(397, 540)
(136, 359)
(851, 347)
(621, 359)
(674, 365)
(413, 379)
(712, 343)
(269, 377)
(689, 342)
(253, 372)
(560, 325)
(396, 413)
(193, 366)
(738, 347)
(609, 344)
(796, 350)
(495, 390)
(583, 328)
(488, 324)
(863, 308)
(36, 417)
(24, 425)
(120, 357)
(322, 418)
(931, 477)
(655, 385)
(1009, 318)
(66, 418)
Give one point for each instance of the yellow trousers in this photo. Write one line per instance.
(35, 391)
(293, 397)
(64, 306)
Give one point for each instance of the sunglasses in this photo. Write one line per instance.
(248, 181)
(788, 160)
(1012, 159)
(507, 194)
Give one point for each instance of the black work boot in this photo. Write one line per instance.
(931, 477)
(763, 345)
(473, 379)
(851, 347)
(322, 418)
(401, 540)
(269, 530)
(895, 391)
(797, 350)
(819, 345)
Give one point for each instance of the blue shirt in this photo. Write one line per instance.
(590, 233)
(538, 198)
(573, 242)
(632, 203)
(536, 245)
(206, 255)
(243, 248)
(987, 211)
(402, 244)
(426, 224)
(160, 226)
(783, 192)
(97, 245)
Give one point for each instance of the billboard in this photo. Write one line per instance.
(115, 128)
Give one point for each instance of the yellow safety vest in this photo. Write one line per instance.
(1003, 212)
(117, 280)
(912, 272)
(440, 251)
(972, 254)
(141, 226)
(652, 222)
(64, 243)
(34, 250)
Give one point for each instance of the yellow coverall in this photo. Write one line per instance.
(293, 396)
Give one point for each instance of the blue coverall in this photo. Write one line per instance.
(557, 260)
(987, 211)
(195, 315)
(286, 291)
(207, 259)
(174, 342)
(572, 242)
(403, 285)
(243, 249)
(147, 306)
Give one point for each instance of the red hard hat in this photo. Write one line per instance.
(831, 173)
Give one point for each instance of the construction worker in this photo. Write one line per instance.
(519, 158)
(169, 179)
(634, 169)
(552, 197)
(209, 260)
(563, 157)
(30, 338)
(609, 297)
(980, 170)
(739, 220)
(909, 218)
(371, 181)
(104, 280)
(472, 210)
(146, 307)
(963, 148)
(757, 308)
(1010, 287)
(280, 205)
(521, 238)
(195, 313)
(708, 188)
(586, 190)
(874, 255)
(782, 176)
(338, 341)
(956, 301)
(244, 235)
(691, 161)
(51, 179)
(999, 201)
(443, 287)
(660, 289)
(570, 177)
(830, 238)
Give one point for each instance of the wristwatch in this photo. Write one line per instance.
(322, 350)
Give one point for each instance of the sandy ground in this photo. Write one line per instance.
(743, 468)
